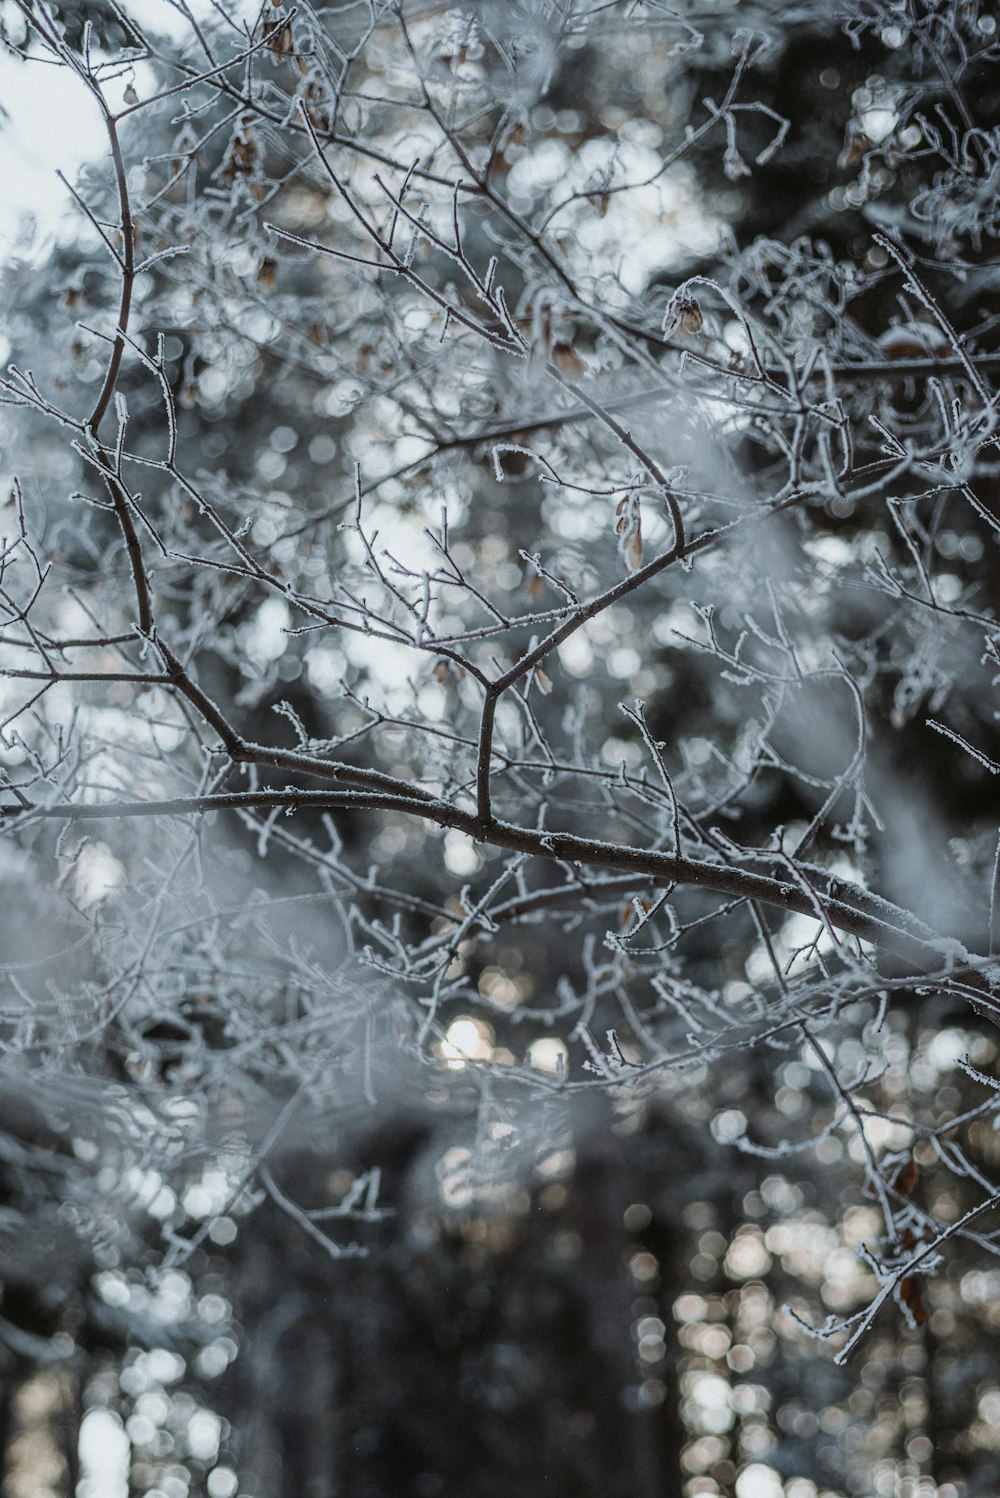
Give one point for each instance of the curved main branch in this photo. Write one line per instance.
(800, 889)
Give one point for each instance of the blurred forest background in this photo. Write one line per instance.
(346, 1155)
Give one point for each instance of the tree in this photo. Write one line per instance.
(499, 647)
